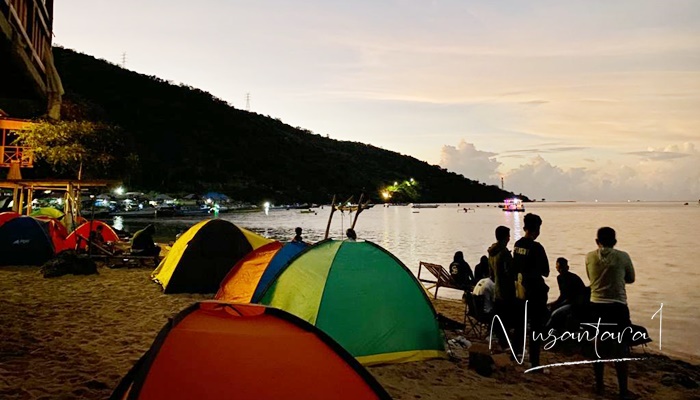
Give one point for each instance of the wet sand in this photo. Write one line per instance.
(74, 337)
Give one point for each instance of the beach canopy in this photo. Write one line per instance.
(7, 215)
(240, 283)
(363, 297)
(25, 241)
(200, 259)
(281, 258)
(77, 238)
(215, 350)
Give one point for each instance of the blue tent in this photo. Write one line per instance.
(215, 196)
(25, 241)
(286, 253)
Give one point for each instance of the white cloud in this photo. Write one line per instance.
(475, 164)
(670, 173)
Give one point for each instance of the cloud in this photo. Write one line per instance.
(658, 155)
(646, 179)
(475, 164)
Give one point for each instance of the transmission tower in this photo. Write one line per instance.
(247, 101)
(124, 60)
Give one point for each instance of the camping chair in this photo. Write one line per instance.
(475, 319)
(442, 277)
(100, 252)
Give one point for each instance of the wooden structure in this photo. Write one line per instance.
(23, 193)
(12, 155)
(27, 68)
(442, 277)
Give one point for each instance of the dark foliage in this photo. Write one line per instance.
(186, 140)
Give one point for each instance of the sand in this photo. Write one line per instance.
(74, 337)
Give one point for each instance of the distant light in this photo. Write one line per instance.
(119, 191)
(386, 194)
(47, 192)
(266, 207)
(396, 184)
(411, 179)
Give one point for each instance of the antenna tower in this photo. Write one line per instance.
(247, 101)
(502, 187)
(124, 60)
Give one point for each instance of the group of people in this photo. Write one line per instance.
(510, 282)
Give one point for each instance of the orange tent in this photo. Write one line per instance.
(215, 350)
(7, 215)
(108, 234)
(240, 283)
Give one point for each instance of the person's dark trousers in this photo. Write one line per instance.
(537, 315)
(504, 310)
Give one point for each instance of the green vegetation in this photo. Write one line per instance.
(186, 140)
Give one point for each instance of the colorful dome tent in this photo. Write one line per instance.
(252, 274)
(364, 298)
(47, 212)
(6, 216)
(215, 350)
(281, 258)
(240, 283)
(25, 241)
(200, 259)
(108, 234)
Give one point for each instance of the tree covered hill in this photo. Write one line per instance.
(187, 140)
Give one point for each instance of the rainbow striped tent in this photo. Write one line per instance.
(364, 298)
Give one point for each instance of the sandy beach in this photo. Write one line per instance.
(74, 337)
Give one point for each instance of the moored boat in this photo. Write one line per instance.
(513, 205)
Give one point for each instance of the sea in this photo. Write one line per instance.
(661, 238)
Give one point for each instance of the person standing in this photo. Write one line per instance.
(609, 270)
(500, 264)
(531, 266)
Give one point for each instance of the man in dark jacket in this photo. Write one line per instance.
(142, 242)
(500, 264)
(530, 262)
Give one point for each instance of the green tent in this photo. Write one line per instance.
(363, 297)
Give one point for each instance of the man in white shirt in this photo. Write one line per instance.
(485, 288)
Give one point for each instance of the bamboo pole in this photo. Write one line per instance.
(360, 208)
(330, 217)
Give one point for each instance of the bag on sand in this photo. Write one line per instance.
(520, 292)
(68, 262)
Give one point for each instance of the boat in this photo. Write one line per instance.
(413, 205)
(512, 205)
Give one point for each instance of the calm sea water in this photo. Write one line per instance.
(661, 239)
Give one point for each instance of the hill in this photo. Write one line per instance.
(187, 140)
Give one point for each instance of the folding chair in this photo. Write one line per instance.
(442, 277)
(476, 321)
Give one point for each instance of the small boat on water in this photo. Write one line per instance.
(513, 205)
(414, 205)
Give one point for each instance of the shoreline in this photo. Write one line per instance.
(76, 337)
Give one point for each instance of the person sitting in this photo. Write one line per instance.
(481, 270)
(298, 238)
(352, 236)
(461, 271)
(142, 242)
(572, 293)
(571, 287)
(486, 288)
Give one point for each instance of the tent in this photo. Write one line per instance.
(25, 241)
(281, 258)
(364, 298)
(108, 234)
(7, 215)
(200, 259)
(240, 283)
(48, 212)
(57, 232)
(215, 350)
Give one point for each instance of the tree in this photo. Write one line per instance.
(78, 147)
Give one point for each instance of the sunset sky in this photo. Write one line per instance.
(568, 100)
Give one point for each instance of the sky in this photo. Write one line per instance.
(565, 100)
